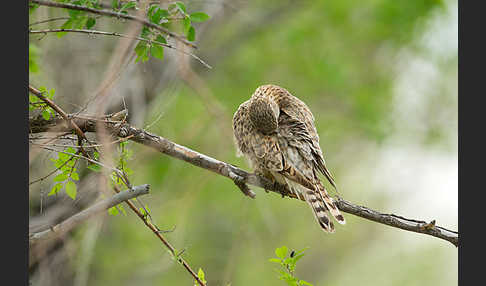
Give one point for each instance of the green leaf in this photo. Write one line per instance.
(187, 24)
(32, 7)
(199, 17)
(115, 4)
(157, 51)
(156, 16)
(191, 34)
(71, 189)
(276, 260)
(60, 178)
(200, 274)
(70, 150)
(128, 5)
(90, 23)
(56, 188)
(94, 167)
(113, 211)
(46, 114)
(181, 7)
(75, 176)
(141, 50)
(67, 25)
(281, 252)
(302, 282)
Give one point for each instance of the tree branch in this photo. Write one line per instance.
(113, 14)
(76, 219)
(241, 178)
(115, 34)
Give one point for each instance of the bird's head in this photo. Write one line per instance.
(264, 111)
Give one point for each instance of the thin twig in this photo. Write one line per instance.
(71, 222)
(119, 140)
(115, 34)
(49, 20)
(241, 178)
(157, 232)
(115, 15)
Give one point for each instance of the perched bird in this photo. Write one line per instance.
(275, 131)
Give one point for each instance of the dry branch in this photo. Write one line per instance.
(241, 177)
(76, 219)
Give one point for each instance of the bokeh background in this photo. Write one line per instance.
(381, 79)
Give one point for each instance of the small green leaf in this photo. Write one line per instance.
(302, 282)
(187, 24)
(94, 167)
(67, 25)
(60, 178)
(75, 176)
(71, 189)
(156, 16)
(181, 6)
(159, 39)
(200, 275)
(70, 150)
(199, 17)
(90, 23)
(276, 260)
(156, 51)
(113, 211)
(191, 34)
(281, 252)
(46, 114)
(141, 50)
(128, 5)
(56, 188)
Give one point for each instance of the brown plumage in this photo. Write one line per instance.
(275, 131)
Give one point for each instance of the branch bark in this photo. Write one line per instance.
(80, 217)
(241, 178)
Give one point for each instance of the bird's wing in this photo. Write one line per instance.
(299, 166)
(299, 121)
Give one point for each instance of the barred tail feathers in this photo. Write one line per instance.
(319, 210)
(330, 204)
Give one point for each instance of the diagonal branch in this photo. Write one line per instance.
(157, 232)
(242, 178)
(80, 217)
(63, 114)
(115, 15)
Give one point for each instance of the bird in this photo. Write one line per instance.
(275, 131)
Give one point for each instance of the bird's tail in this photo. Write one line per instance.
(330, 204)
(319, 209)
